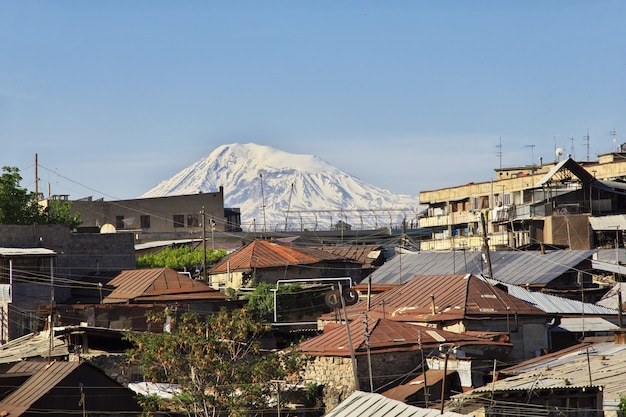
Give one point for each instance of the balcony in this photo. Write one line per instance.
(435, 221)
(471, 243)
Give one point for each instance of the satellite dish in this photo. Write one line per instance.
(107, 228)
(559, 152)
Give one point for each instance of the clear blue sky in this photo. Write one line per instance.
(115, 96)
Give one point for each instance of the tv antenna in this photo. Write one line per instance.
(614, 134)
(586, 139)
(499, 153)
(532, 157)
(263, 203)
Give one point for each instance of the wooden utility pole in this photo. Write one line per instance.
(204, 274)
(486, 243)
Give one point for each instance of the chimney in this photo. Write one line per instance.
(620, 337)
(433, 310)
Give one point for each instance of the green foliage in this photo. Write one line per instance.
(179, 258)
(59, 212)
(217, 362)
(293, 301)
(622, 403)
(19, 206)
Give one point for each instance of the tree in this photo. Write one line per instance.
(217, 362)
(293, 301)
(19, 206)
(179, 258)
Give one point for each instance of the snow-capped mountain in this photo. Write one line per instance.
(278, 191)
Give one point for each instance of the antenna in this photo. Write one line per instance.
(572, 152)
(556, 159)
(263, 202)
(532, 157)
(614, 134)
(288, 206)
(499, 154)
(586, 139)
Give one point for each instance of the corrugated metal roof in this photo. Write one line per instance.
(265, 254)
(555, 305)
(404, 391)
(585, 324)
(32, 345)
(132, 284)
(611, 298)
(512, 267)
(612, 222)
(364, 404)
(45, 377)
(604, 365)
(364, 254)
(385, 335)
(457, 297)
(8, 252)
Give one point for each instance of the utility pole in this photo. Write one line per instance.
(37, 176)
(51, 319)
(486, 243)
(204, 274)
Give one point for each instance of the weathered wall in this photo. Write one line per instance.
(77, 256)
(572, 230)
(337, 377)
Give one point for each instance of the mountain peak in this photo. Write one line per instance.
(269, 184)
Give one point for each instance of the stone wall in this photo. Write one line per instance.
(336, 375)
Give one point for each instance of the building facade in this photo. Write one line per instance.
(547, 204)
(155, 218)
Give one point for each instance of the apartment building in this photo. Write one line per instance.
(546, 204)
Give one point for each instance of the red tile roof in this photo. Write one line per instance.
(385, 335)
(456, 296)
(266, 254)
(157, 282)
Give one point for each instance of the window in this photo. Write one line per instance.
(119, 222)
(192, 220)
(506, 199)
(145, 222)
(179, 220)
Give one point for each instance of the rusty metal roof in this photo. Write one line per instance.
(266, 254)
(385, 335)
(44, 378)
(404, 391)
(133, 284)
(364, 254)
(456, 297)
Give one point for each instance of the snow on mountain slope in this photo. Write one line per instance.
(277, 190)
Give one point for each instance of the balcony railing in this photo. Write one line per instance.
(471, 243)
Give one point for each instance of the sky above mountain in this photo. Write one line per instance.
(407, 95)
